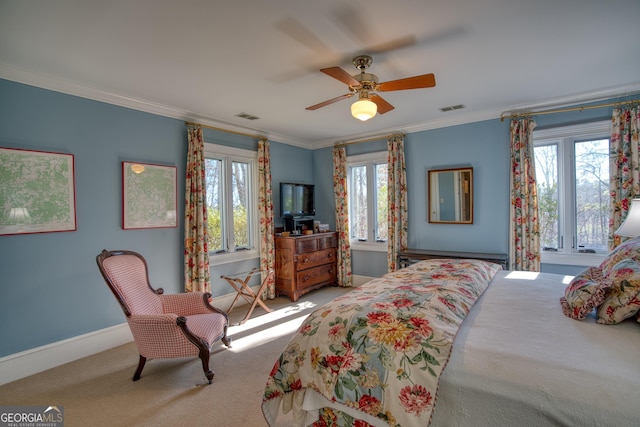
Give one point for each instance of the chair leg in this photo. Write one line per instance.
(141, 363)
(204, 356)
(225, 339)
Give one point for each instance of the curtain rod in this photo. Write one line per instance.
(226, 130)
(359, 141)
(564, 110)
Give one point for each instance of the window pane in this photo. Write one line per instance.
(592, 194)
(213, 176)
(358, 202)
(546, 158)
(381, 174)
(240, 188)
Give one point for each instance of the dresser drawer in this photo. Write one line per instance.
(313, 276)
(329, 241)
(314, 259)
(306, 245)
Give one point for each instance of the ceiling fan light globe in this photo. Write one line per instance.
(363, 109)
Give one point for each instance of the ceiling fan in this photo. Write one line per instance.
(365, 85)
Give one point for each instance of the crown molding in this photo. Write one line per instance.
(42, 81)
(458, 118)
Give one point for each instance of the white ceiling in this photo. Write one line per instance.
(210, 60)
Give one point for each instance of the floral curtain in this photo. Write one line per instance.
(196, 252)
(397, 222)
(265, 212)
(624, 166)
(342, 215)
(525, 236)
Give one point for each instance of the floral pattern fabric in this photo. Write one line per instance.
(624, 167)
(265, 213)
(379, 350)
(525, 234)
(398, 221)
(342, 215)
(197, 277)
(585, 292)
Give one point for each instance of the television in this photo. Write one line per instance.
(296, 200)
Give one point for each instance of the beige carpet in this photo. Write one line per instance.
(98, 391)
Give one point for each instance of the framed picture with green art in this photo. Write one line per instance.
(37, 192)
(149, 196)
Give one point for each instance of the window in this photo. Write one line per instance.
(230, 197)
(572, 174)
(367, 178)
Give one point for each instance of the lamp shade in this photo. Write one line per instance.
(631, 225)
(137, 168)
(364, 109)
(19, 215)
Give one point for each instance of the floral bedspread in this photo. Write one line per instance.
(375, 355)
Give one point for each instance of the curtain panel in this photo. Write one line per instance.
(525, 234)
(624, 167)
(265, 213)
(342, 215)
(197, 277)
(397, 218)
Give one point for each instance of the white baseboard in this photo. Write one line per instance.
(32, 361)
(38, 359)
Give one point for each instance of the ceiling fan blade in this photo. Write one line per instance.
(340, 74)
(302, 35)
(395, 44)
(331, 101)
(383, 106)
(417, 82)
(352, 22)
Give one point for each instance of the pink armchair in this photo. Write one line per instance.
(163, 326)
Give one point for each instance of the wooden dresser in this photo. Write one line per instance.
(305, 263)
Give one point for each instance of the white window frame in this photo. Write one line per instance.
(228, 155)
(566, 135)
(368, 160)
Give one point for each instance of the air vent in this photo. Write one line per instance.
(247, 116)
(452, 108)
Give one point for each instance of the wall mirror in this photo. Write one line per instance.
(451, 196)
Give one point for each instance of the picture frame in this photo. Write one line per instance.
(37, 194)
(450, 196)
(149, 196)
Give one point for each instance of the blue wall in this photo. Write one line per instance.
(51, 288)
(50, 285)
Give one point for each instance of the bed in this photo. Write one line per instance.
(466, 343)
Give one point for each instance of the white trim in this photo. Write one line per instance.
(38, 359)
(29, 362)
(584, 130)
(369, 246)
(9, 72)
(572, 259)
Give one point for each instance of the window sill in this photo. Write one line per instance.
(367, 246)
(226, 258)
(572, 259)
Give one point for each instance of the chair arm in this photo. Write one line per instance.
(188, 303)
